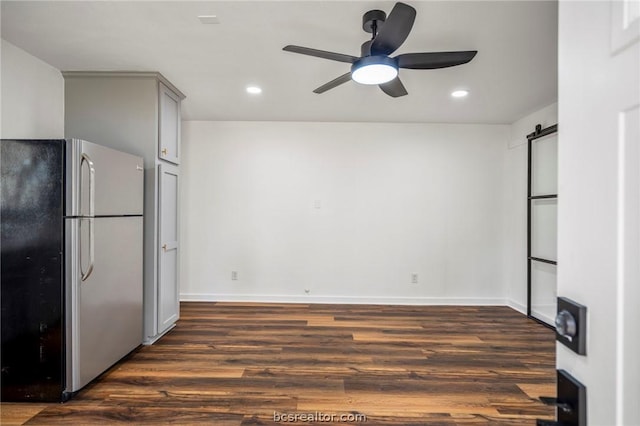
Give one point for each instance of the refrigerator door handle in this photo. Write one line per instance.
(92, 203)
(92, 183)
(85, 274)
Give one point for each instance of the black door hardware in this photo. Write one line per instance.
(571, 325)
(547, 400)
(571, 402)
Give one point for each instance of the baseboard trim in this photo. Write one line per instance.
(517, 306)
(355, 300)
(523, 309)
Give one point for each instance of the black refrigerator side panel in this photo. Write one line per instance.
(32, 270)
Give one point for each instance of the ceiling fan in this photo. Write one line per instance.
(374, 66)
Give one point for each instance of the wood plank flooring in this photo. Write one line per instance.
(242, 364)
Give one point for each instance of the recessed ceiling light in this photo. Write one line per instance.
(459, 93)
(254, 90)
(209, 19)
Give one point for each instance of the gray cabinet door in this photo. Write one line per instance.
(169, 125)
(168, 252)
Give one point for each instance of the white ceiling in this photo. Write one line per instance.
(514, 73)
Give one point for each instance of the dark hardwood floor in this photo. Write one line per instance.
(242, 364)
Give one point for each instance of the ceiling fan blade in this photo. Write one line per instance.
(333, 83)
(395, 30)
(321, 54)
(394, 88)
(433, 60)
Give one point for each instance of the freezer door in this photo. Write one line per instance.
(102, 181)
(105, 319)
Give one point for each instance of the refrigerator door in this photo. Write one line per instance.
(102, 181)
(105, 316)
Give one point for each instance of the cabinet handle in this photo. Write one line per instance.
(164, 151)
(164, 247)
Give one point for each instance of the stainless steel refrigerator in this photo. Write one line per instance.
(71, 264)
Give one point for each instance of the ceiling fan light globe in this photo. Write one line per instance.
(374, 70)
(374, 74)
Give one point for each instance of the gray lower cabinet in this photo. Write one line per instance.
(168, 255)
(139, 113)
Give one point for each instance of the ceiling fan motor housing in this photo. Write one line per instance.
(365, 48)
(373, 16)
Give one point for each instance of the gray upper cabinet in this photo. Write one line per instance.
(139, 113)
(169, 145)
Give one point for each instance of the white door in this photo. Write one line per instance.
(599, 210)
(168, 252)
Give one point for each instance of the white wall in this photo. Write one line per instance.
(32, 96)
(347, 211)
(515, 203)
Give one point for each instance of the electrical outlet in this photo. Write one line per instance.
(414, 278)
(234, 275)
